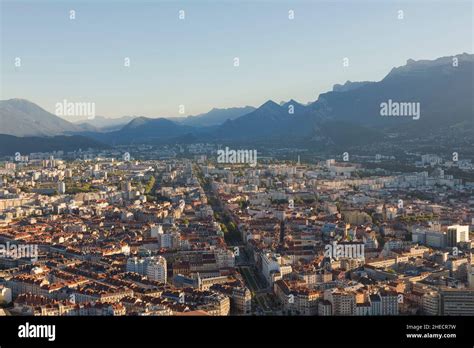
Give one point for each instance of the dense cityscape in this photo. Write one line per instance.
(180, 230)
(211, 173)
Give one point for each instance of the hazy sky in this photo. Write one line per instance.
(190, 62)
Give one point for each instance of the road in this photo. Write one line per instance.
(263, 302)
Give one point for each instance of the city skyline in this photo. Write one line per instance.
(328, 172)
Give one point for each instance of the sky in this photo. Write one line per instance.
(190, 62)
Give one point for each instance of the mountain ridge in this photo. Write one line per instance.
(444, 92)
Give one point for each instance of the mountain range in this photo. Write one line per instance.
(349, 114)
(214, 117)
(22, 118)
(104, 124)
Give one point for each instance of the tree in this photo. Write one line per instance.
(150, 184)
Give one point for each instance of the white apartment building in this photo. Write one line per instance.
(272, 267)
(430, 303)
(375, 304)
(156, 230)
(156, 270)
(389, 303)
(154, 267)
(457, 234)
(343, 303)
(225, 258)
(457, 302)
(169, 240)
